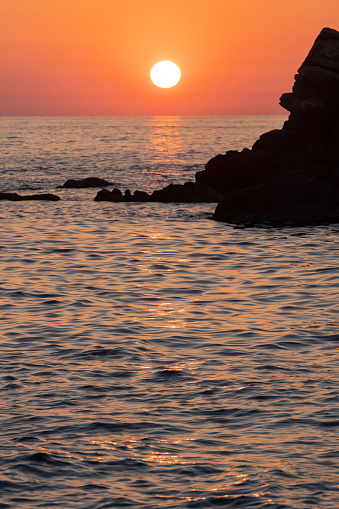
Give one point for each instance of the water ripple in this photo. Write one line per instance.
(153, 358)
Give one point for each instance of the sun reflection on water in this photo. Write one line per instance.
(165, 145)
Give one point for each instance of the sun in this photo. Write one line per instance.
(165, 74)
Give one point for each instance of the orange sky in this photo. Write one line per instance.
(93, 57)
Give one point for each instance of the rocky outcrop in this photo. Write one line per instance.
(18, 197)
(292, 199)
(291, 175)
(189, 192)
(106, 195)
(86, 183)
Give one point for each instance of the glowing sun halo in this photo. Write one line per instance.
(165, 74)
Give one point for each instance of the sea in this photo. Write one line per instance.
(150, 356)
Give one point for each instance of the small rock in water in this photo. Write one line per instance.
(106, 195)
(18, 197)
(86, 183)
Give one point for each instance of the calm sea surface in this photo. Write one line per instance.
(151, 357)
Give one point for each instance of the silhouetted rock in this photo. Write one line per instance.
(106, 195)
(295, 198)
(86, 183)
(236, 170)
(190, 192)
(128, 196)
(18, 197)
(141, 196)
(291, 175)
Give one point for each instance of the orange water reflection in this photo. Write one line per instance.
(164, 143)
(165, 136)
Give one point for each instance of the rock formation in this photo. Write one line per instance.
(19, 197)
(86, 183)
(189, 192)
(291, 175)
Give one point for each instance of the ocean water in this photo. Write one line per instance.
(151, 357)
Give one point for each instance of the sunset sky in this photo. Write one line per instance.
(93, 57)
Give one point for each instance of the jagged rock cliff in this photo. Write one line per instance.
(291, 175)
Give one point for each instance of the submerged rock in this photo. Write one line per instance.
(86, 183)
(18, 197)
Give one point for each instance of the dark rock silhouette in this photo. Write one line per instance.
(291, 175)
(106, 195)
(86, 183)
(292, 199)
(190, 192)
(18, 197)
